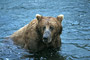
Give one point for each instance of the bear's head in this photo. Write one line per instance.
(49, 28)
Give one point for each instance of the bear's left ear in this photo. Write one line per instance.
(39, 17)
(60, 17)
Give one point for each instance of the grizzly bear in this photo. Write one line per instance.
(40, 33)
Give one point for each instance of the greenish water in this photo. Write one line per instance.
(14, 14)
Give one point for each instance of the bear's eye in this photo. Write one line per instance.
(44, 28)
(51, 27)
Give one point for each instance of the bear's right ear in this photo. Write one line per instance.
(60, 18)
(39, 17)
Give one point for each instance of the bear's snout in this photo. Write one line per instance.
(47, 37)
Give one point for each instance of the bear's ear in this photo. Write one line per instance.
(60, 17)
(39, 17)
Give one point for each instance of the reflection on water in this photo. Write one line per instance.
(76, 27)
(45, 56)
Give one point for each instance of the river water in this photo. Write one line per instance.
(14, 14)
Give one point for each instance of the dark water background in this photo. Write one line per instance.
(14, 14)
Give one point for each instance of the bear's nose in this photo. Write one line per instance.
(45, 37)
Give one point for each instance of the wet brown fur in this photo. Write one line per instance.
(30, 36)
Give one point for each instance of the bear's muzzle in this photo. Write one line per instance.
(47, 36)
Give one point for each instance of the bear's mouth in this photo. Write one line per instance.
(46, 40)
